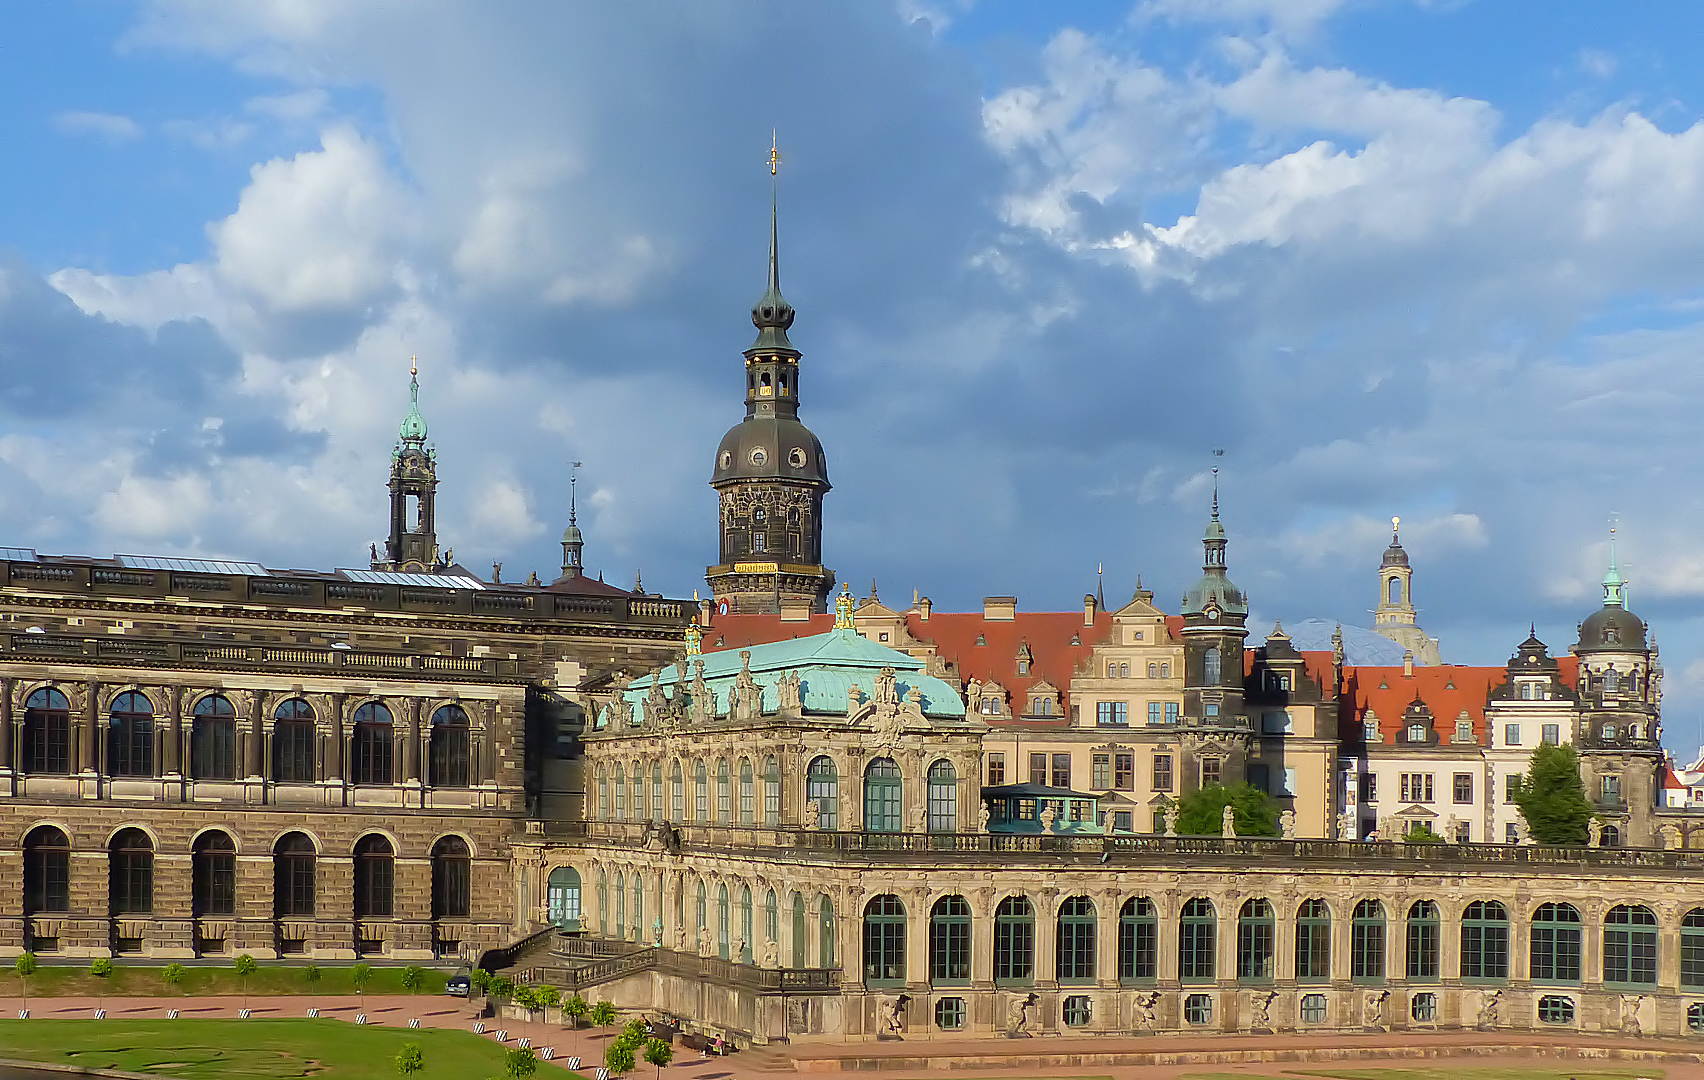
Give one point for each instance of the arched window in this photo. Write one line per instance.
(131, 880)
(373, 744)
(1111, 670)
(1124, 671)
(603, 904)
(825, 932)
(375, 874)
(1367, 942)
(638, 919)
(47, 871)
(724, 794)
(1423, 940)
(213, 739)
(1153, 671)
(452, 879)
(1165, 669)
(949, 942)
(449, 755)
(801, 932)
(822, 786)
(47, 732)
(1630, 946)
(562, 897)
(130, 743)
(1210, 665)
(1612, 681)
(1395, 590)
(620, 792)
(943, 797)
(703, 910)
(1692, 949)
(1556, 944)
(293, 876)
(213, 875)
(1313, 940)
(677, 807)
(1076, 940)
(1014, 941)
(771, 793)
(700, 792)
(603, 793)
(1609, 837)
(1256, 933)
(772, 919)
(882, 788)
(638, 791)
(1138, 940)
(1195, 941)
(748, 794)
(1485, 941)
(722, 921)
(659, 808)
(293, 738)
(742, 913)
(620, 906)
(884, 941)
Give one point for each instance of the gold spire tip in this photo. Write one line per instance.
(414, 366)
(774, 151)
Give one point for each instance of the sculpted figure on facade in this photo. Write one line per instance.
(703, 701)
(706, 942)
(1671, 835)
(1171, 819)
(620, 709)
(1020, 1016)
(1630, 1013)
(1346, 826)
(1047, 818)
(891, 1011)
(1372, 1008)
(1488, 1005)
(1144, 1016)
(655, 702)
(771, 955)
(920, 819)
(787, 693)
(1228, 822)
(1260, 1007)
(1286, 823)
(747, 695)
(1523, 832)
(813, 814)
(736, 950)
(982, 816)
(1594, 832)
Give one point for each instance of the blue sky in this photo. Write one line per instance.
(1432, 259)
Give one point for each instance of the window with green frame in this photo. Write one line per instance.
(949, 942)
(801, 932)
(677, 812)
(748, 794)
(1076, 941)
(1557, 938)
(1313, 941)
(700, 793)
(1196, 936)
(722, 921)
(620, 792)
(822, 786)
(1367, 942)
(603, 904)
(943, 798)
(1692, 949)
(771, 793)
(772, 918)
(1256, 932)
(724, 793)
(1138, 940)
(620, 906)
(1424, 929)
(703, 910)
(882, 787)
(1014, 941)
(1630, 946)
(658, 812)
(825, 932)
(884, 941)
(1485, 941)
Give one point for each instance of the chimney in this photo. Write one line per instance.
(1408, 663)
(1000, 608)
(923, 607)
(1089, 609)
(706, 608)
(796, 608)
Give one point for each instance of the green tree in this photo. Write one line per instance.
(633, 1033)
(173, 976)
(658, 1053)
(244, 966)
(1421, 833)
(25, 967)
(1552, 798)
(618, 1057)
(520, 1062)
(548, 997)
(361, 975)
(603, 1014)
(101, 968)
(576, 1008)
(413, 978)
(479, 980)
(410, 1060)
(527, 998)
(1201, 812)
(312, 974)
(502, 987)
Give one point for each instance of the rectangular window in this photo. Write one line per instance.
(1112, 713)
(1463, 787)
(1162, 772)
(1038, 770)
(1260, 776)
(1172, 711)
(1553, 734)
(1122, 821)
(996, 770)
(1209, 771)
(1511, 787)
(1691, 954)
(1155, 715)
(1612, 789)
(1416, 787)
(1061, 770)
(1369, 787)
(1102, 765)
(1124, 771)
(1511, 734)
(1511, 833)
(1464, 731)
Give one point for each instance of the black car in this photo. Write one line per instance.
(456, 986)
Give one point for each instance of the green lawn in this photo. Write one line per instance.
(144, 981)
(249, 1049)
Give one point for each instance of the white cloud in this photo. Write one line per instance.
(108, 126)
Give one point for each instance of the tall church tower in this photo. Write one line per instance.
(1216, 733)
(770, 475)
(413, 543)
(1394, 617)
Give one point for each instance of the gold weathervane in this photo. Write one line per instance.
(774, 152)
(414, 365)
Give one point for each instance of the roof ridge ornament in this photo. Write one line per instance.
(843, 608)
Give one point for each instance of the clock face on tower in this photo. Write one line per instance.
(1213, 613)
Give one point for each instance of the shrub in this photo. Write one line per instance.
(479, 979)
(413, 978)
(603, 1014)
(658, 1053)
(501, 987)
(1201, 812)
(173, 975)
(520, 1063)
(526, 997)
(411, 1060)
(361, 975)
(548, 997)
(618, 1056)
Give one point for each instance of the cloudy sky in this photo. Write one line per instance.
(1443, 260)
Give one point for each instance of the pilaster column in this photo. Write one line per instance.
(253, 766)
(172, 763)
(411, 743)
(89, 745)
(334, 743)
(6, 740)
(1107, 906)
(1047, 938)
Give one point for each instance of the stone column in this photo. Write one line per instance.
(253, 760)
(334, 742)
(411, 743)
(1168, 906)
(982, 937)
(89, 743)
(1107, 905)
(917, 912)
(1047, 938)
(172, 765)
(6, 739)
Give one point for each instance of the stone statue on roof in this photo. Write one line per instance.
(887, 694)
(1171, 819)
(655, 703)
(788, 695)
(621, 710)
(703, 704)
(749, 703)
(1228, 822)
(1286, 823)
(973, 694)
(1048, 816)
(1346, 822)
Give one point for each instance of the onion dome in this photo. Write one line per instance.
(1395, 555)
(1612, 628)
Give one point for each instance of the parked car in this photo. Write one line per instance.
(457, 986)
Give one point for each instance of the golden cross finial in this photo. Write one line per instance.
(414, 365)
(774, 152)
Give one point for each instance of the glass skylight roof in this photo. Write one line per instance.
(17, 554)
(426, 581)
(192, 566)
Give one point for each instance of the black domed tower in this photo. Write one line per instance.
(770, 476)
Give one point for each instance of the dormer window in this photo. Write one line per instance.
(1612, 635)
(1023, 667)
(982, 639)
(1416, 733)
(1370, 729)
(1464, 731)
(990, 706)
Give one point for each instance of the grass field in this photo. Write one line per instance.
(140, 981)
(248, 1049)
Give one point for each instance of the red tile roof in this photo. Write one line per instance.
(1447, 690)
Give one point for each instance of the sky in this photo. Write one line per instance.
(1435, 259)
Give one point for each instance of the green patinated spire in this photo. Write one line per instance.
(772, 314)
(413, 428)
(1613, 582)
